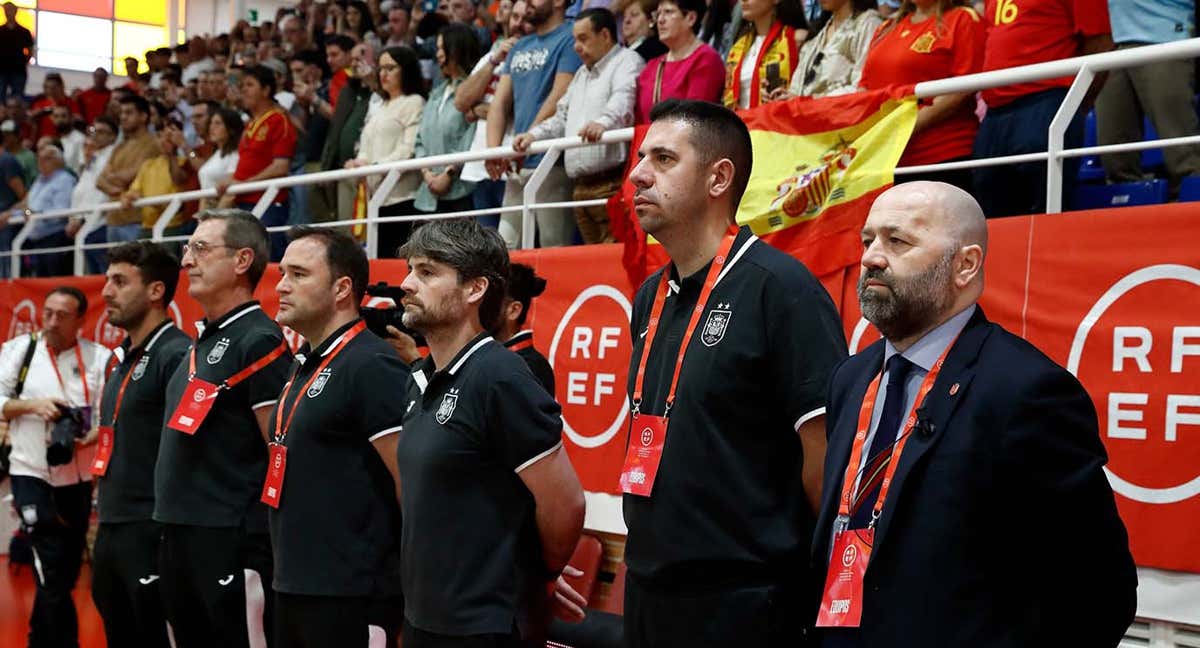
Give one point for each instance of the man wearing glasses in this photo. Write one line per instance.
(98, 146)
(215, 559)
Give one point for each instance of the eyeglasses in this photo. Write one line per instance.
(201, 248)
(389, 68)
(100, 131)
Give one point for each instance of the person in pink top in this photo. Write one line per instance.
(691, 69)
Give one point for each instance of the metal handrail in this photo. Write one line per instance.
(1083, 68)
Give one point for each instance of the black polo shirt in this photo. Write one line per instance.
(728, 503)
(470, 549)
(338, 520)
(214, 477)
(522, 345)
(127, 488)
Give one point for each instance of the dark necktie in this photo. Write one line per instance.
(880, 454)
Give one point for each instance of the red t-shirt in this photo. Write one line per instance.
(93, 103)
(45, 125)
(699, 76)
(905, 53)
(267, 138)
(1023, 32)
(336, 83)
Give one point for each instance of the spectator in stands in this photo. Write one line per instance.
(357, 23)
(637, 27)
(310, 89)
(1161, 91)
(345, 129)
(198, 59)
(178, 108)
(12, 191)
(831, 60)
(98, 147)
(16, 48)
(134, 80)
(12, 145)
(474, 97)
(265, 151)
(200, 147)
(51, 191)
(137, 145)
(389, 135)
(443, 128)
(399, 26)
(224, 133)
(43, 106)
(601, 97)
(1018, 116)
(926, 40)
(766, 52)
(719, 27)
(158, 176)
(296, 38)
(156, 64)
(338, 49)
(72, 139)
(465, 12)
(18, 112)
(689, 70)
(93, 102)
(540, 68)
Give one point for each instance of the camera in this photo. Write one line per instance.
(378, 319)
(69, 428)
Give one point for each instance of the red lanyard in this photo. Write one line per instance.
(527, 343)
(281, 430)
(232, 381)
(87, 394)
(121, 391)
(714, 272)
(860, 439)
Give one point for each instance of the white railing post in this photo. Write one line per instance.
(19, 242)
(160, 225)
(373, 206)
(89, 225)
(263, 203)
(529, 196)
(1058, 130)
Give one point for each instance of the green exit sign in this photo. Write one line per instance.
(253, 16)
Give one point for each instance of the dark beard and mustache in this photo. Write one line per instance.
(909, 305)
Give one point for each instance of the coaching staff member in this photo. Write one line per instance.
(139, 286)
(334, 513)
(523, 286)
(957, 455)
(492, 506)
(41, 375)
(732, 345)
(215, 558)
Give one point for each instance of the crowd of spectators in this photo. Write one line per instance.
(343, 84)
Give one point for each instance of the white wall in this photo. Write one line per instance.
(216, 16)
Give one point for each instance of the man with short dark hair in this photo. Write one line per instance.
(137, 145)
(733, 343)
(953, 446)
(69, 136)
(522, 287)
(52, 492)
(334, 518)
(16, 48)
(93, 102)
(492, 507)
(264, 152)
(140, 284)
(54, 95)
(215, 559)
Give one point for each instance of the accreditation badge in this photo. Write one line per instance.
(276, 465)
(194, 407)
(647, 438)
(103, 451)
(841, 603)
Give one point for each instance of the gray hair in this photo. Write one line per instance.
(243, 230)
(472, 250)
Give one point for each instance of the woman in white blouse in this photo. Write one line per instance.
(389, 135)
(831, 61)
(224, 132)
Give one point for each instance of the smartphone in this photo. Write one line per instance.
(774, 80)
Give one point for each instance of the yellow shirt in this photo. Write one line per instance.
(154, 179)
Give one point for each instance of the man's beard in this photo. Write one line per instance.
(130, 317)
(430, 317)
(909, 305)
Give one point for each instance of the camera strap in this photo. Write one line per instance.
(29, 350)
(87, 394)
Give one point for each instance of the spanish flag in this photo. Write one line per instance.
(818, 166)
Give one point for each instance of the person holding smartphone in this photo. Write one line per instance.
(766, 52)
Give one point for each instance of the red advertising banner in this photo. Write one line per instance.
(1112, 295)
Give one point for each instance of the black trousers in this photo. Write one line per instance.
(303, 621)
(56, 520)
(125, 584)
(216, 586)
(745, 617)
(417, 638)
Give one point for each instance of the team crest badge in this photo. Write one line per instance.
(446, 409)
(716, 324)
(318, 385)
(139, 369)
(218, 351)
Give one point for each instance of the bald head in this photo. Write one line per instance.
(924, 245)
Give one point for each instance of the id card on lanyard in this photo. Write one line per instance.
(277, 450)
(108, 432)
(648, 434)
(199, 395)
(842, 598)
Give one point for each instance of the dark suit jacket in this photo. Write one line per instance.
(1000, 529)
